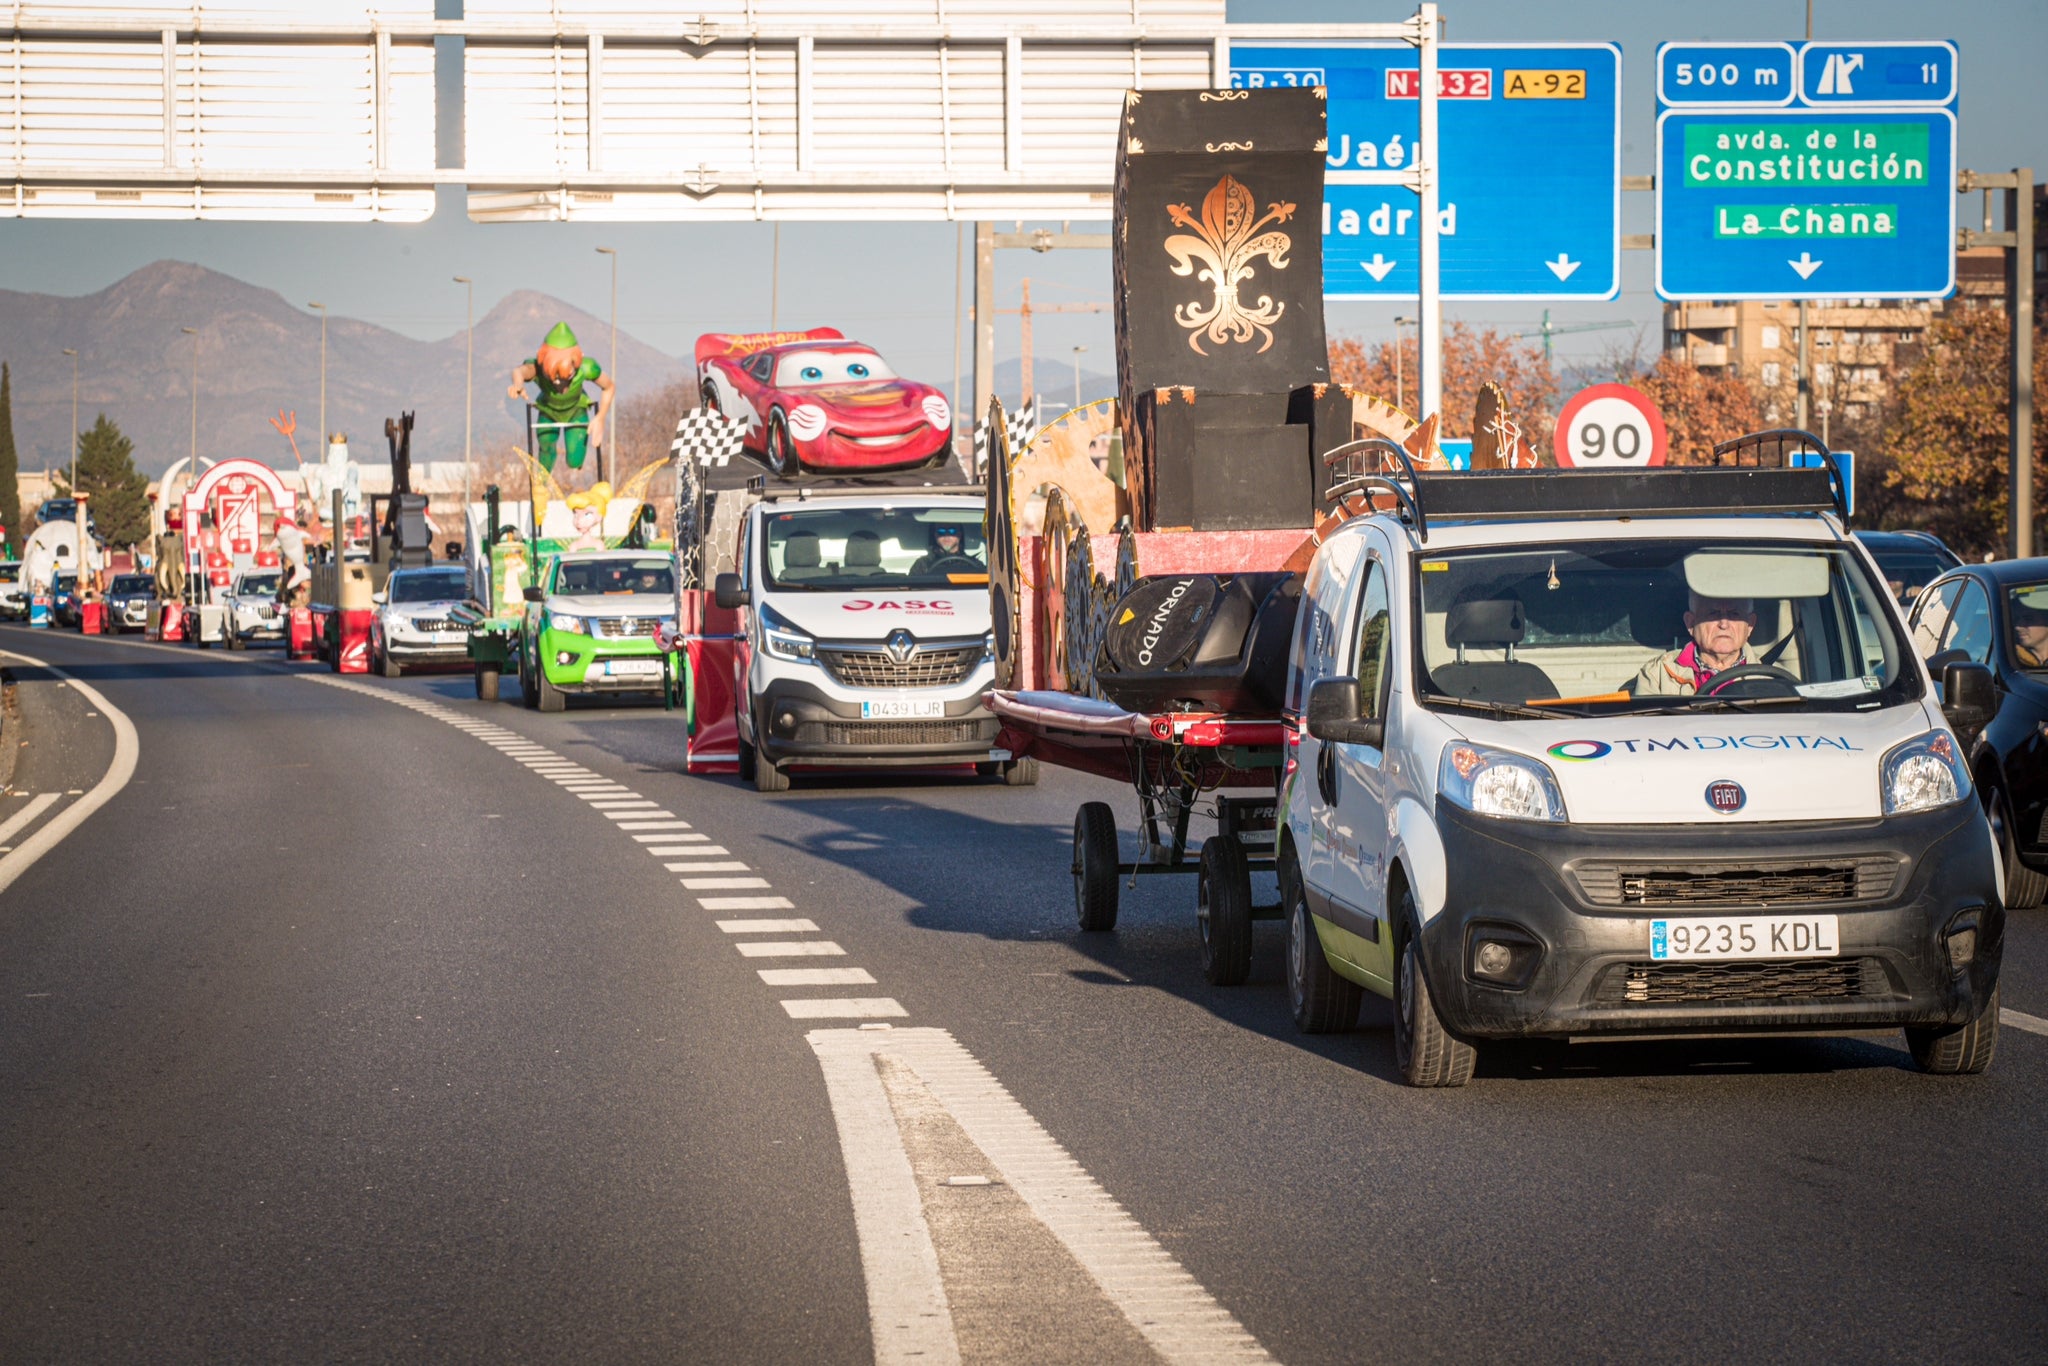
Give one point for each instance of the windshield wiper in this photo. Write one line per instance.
(1499, 711)
(1720, 704)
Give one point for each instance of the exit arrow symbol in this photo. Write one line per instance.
(1563, 266)
(1378, 267)
(1805, 265)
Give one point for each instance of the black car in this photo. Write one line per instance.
(1910, 560)
(128, 599)
(1997, 615)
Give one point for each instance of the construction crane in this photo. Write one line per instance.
(1548, 330)
(1024, 312)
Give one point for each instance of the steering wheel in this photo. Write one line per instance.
(1753, 680)
(965, 564)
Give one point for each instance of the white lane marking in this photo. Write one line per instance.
(721, 884)
(638, 824)
(767, 927)
(127, 747)
(733, 867)
(2018, 1019)
(846, 1008)
(791, 948)
(672, 850)
(622, 802)
(662, 839)
(1179, 1318)
(21, 819)
(908, 1316)
(817, 977)
(746, 903)
(694, 851)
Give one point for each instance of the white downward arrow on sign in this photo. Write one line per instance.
(1563, 266)
(1805, 265)
(1378, 267)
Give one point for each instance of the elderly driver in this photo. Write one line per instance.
(1720, 630)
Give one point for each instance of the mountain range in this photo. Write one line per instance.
(259, 354)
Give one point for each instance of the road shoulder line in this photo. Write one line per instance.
(127, 748)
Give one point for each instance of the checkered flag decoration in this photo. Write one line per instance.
(1022, 426)
(705, 436)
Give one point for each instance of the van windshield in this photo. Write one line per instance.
(1621, 626)
(840, 550)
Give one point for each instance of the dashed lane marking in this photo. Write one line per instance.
(747, 903)
(714, 867)
(767, 927)
(790, 948)
(817, 977)
(660, 839)
(721, 884)
(639, 824)
(2018, 1019)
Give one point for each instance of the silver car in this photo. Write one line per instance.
(412, 627)
(251, 608)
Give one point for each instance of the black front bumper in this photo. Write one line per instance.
(794, 721)
(1580, 937)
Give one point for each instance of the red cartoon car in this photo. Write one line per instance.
(814, 400)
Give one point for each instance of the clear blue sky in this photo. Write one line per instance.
(893, 284)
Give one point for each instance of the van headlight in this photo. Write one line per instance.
(563, 621)
(1924, 773)
(784, 639)
(1493, 782)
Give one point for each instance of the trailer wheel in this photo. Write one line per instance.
(1223, 911)
(486, 683)
(1020, 773)
(1095, 867)
(749, 760)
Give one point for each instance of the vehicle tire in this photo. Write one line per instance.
(988, 768)
(388, 666)
(1426, 1052)
(769, 776)
(1323, 1002)
(707, 397)
(1020, 773)
(782, 457)
(551, 698)
(1223, 911)
(1957, 1050)
(1095, 867)
(2024, 888)
(486, 684)
(529, 694)
(234, 640)
(749, 762)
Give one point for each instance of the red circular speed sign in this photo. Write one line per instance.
(1609, 426)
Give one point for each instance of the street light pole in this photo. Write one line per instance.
(323, 377)
(193, 333)
(74, 417)
(605, 456)
(1077, 374)
(1399, 387)
(468, 395)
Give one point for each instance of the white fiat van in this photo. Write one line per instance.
(1522, 800)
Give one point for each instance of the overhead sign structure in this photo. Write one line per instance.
(1806, 170)
(1610, 426)
(1530, 199)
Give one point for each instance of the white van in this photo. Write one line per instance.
(1521, 799)
(864, 633)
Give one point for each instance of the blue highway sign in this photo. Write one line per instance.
(1530, 184)
(1842, 188)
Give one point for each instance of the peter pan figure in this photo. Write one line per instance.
(560, 371)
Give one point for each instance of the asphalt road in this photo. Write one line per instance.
(363, 1024)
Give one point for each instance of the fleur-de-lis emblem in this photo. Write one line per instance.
(1226, 241)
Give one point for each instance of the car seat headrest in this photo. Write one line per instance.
(1485, 622)
(801, 551)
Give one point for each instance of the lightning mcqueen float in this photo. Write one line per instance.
(814, 400)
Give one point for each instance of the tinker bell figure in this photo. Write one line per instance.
(560, 371)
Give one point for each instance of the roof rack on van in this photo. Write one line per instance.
(1376, 465)
(865, 488)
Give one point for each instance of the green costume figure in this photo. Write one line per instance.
(562, 422)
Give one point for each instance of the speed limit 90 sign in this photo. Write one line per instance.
(1609, 426)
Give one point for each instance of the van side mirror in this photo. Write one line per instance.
(1969, 698)
(380, 597)
(1333, 715)
(728, 592)
(532, 593)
